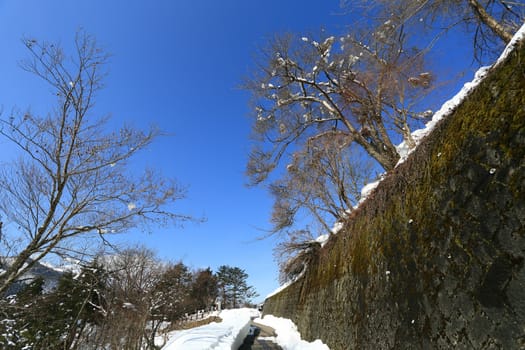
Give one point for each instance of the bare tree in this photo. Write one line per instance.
(325, 180)
(361, 91)
(72, 179)
(327, 109)
(130, 300)
(493, 22)
(295, 254)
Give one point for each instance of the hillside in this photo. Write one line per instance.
(48, 273)
(435, 258)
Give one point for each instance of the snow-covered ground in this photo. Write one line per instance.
(230, 333)
(287, 335)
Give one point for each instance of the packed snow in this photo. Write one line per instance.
(234, 327)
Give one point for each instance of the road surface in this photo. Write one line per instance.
(254, 341)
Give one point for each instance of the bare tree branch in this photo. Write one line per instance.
(72, 177)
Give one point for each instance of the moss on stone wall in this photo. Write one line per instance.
(435, 259)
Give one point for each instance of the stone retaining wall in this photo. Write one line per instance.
(436, 258)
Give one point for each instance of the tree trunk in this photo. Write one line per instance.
(16, 269)
(489, 21)
(386, 155)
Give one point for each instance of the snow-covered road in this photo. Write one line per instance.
(230, 333)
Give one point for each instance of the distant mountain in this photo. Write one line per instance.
(48, 272)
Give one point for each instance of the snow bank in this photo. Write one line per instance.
(287, 335)
(226, 335)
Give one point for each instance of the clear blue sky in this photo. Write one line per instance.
(177, 64)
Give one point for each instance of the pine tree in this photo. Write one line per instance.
(233, 286)
(204, 289)
(173, 291)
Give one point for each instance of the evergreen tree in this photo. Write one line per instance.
(233, 286)
(204, 290)
(18, 328)
(173, 292)
(54, 320)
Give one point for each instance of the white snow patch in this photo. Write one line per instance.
(367, 189)
(337, 227)
(322, 239)
(67, 265)
(287, 335)
(128, 305)
(518, 36)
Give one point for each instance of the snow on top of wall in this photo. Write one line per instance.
(448, 107)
